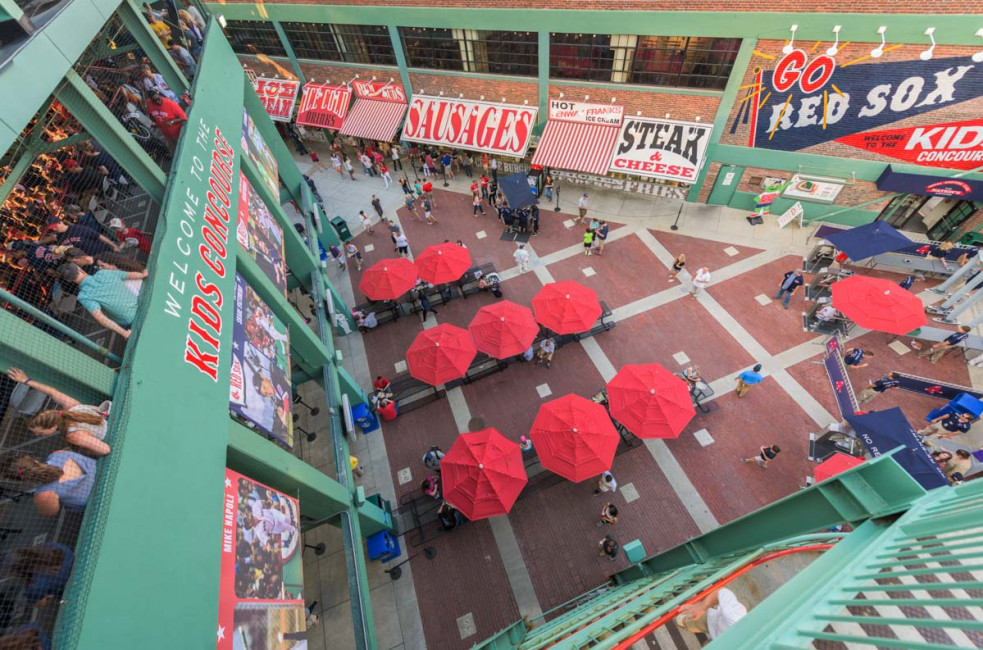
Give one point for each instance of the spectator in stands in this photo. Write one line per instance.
(25, 637)
(192, 36)
(104, 261)
(160, 28)
(65, 479)
(82, 425)
(89, 156)
(151, 81)
(183, 58)
(79, 236)
(881, 385)
(938, 350)
(111, 303)
(712, 615)
(40, 257)
(854, 358)
(791, 281)
(191, 15)
(167, 115)
(45, 570)
(131, 236)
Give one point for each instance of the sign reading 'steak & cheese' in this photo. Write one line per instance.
(480, 126)
(661, 149)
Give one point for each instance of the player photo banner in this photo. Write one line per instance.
(661, 148)
(256, 149)
(259, 387)
(261, 585)
(504, 129)
(278, 96)
(260, 235)
(324, 106)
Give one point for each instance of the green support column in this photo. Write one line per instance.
(544, 75)
(404, 71)
(102, 125)
(723, 111)
(289, 49)
(129, 14)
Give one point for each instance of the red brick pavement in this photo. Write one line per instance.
(776, 329)
(682, 325)
(387, 344)
(702, 252)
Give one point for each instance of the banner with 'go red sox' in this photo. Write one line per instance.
(503, 129)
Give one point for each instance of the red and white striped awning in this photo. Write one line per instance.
(373, 120)
(576, 147)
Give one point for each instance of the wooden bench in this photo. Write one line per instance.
(411, 393)
(386, 311)
(601, 325)
(468, 284)
(482, 366)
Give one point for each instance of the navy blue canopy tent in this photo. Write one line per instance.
(868, 240)
(517, 190)
(882, 431)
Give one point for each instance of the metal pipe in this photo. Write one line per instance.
(963, 291)
(951, 317)
(52, 322)
(955, 277)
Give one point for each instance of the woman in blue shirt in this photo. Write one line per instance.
(65, 479)
(45, 569)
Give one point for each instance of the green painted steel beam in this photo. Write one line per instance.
(543, 74)
(350, 387)
(951, 29)
(72, 140)
(52, 362)
(20, 166)
(401, 65)
(289, 49)
(131, 17)
(100, 122)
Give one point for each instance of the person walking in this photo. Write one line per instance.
(367, 167)
(938, 350)
(609, 514)
(606, 483)
(428, 212)
(395, 154)
(747, 379)
(366, 222)
(404, 184)
(790, 282)
(609, 547)
(600, 236)
(317, 160)
(432, 459)
(411, 206)
(337, 256)
(377, 205)
(402, 245)
(394, 230)
(352, 251)
(425, 306)
(336, 163)
(476, 206)
(765, 455)
(582, 208)
(874, 388)
(677, 266)
(700, 280)
(854, 357)
(386, 178)
(521, 256)
(427, 188)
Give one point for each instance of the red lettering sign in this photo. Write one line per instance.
(324, 106)
(496, 128)
(796, 67)
(383, 92)
(278, 96)
(953, 145)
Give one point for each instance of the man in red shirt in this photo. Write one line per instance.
(138, 238)
(428, 191)
(484, 187)
(167, 115)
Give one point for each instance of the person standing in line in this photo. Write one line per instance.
(336, 164)
(880, 386)
(366, 164)
(402, 245)
(476, 206)
(446, 162)
(609, 514)
(394, 154)
(548, 188)
(468, 164)
(747, 379)
(600, 236)
(493, 166)
(534, 219)
(350, 168)
(938, 350)
(366, 222)
(547, 347)
(700, 280)
(854, 356)
(521, 256)
(386, 178)
(606, 483)
(428, 212)
(765, 455)
(427, 188)
(411, 206)
(377, 205)
(351, 251)
(677, 266)
(428, 165)
(790, 282)
(582, 208)
(484, 188)
(609, 547)
(316, 160)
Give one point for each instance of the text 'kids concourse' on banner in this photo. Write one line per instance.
(259, 391)
(260, 235)
(261, 590)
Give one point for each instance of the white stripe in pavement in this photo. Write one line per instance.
(684, 488)
(804, 399)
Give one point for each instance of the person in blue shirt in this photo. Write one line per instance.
(790, 282)
(854, 357)
(106, 296)
(64, 480)
(45, 570)
(954, 423)
(446, 162)
(875, 388)
(747, 379)
(938, 350)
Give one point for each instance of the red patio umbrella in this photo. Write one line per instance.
(574, 437)
(482, 474)
(440, 354)
(503, 329)
(441, 263)
(878, 304)
(650, 401)
(835, 464)
(388, 279)
(566, 307)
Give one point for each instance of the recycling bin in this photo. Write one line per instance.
(341, 228)
(364, 418)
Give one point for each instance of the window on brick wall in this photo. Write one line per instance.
(253, 37)
(495, 52)
(348, 43)
(683, 61)
(584, 57)
(435, 49)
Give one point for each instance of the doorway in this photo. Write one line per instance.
(936, 217)
(725, 185)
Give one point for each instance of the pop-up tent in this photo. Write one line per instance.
(517, 190)
(882, 431)
(868, 240)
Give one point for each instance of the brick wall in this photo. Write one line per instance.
(776, 6)
(340, 74)
(514, 92)
(711, 178)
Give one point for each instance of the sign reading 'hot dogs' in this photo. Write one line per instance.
(496, 128)
(661, 149)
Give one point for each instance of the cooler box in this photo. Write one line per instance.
(341, 228)
(964, 403)
(634, 551)
(382, 546)
(364, 418)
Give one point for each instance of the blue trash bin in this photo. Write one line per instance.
(382, 546)
(364, 417)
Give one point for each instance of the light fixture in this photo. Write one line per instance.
(373, 77)
(586, 97)
(221, 20)
(561, 94)
(503, 99)
(667, 116)
(834, 48)
(698, 118)
(927, 54)
(638, 113)
(441, 93)
(356, 75)
(878, 51)
(423, 92)
(481, 98)
(391, 79)
(978, 57)
(460, 95)
(525, 101)
(791, 42)
(614, 99)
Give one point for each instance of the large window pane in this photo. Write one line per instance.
(436, 49)
(252, 37)
(369, 44)
(585, 57)
(682, 61)
(510, 53)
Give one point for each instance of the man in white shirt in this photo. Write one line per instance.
(582, 206)
(700, 280)
(521, 256)
(826, 313)
(712, 615)
(606, 483)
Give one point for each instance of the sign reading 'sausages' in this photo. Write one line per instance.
(480, 126)
(661, 148)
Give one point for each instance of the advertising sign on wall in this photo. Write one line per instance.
(604, 114)
(260, 235)
(810, 188)
(261, 589)
(382, 92)
(661, 148)
(954, 145)
(278, 96)
(479, 126)
(324, 106)
(259, 152)
(259, 388)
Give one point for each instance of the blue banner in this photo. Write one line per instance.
(957, 188)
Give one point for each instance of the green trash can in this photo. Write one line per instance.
(341, 228)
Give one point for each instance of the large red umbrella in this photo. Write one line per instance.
(566, 307)
(835, 464)
(503, 329)
(574, 437)
(388, 279)
(440, 354)
(650, 401)
(441, 263)
(482, 474)
(878, 304)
